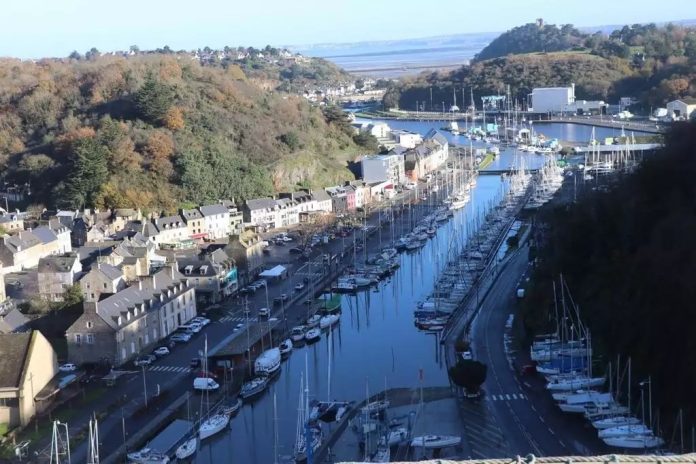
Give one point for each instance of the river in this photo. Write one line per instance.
(375, 345)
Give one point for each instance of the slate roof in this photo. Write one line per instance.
(196, 265)
(260, 203)
(51, 264)
(213, 210)
(112, 307)
(320, 195)
(109, 271)
(23, 240)
(170, 222)
(189, 214)
(14, 349)
(12, 320)
(45, 234)
(435, 135)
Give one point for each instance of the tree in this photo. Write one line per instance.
(135, 49)
(160, 148)
(92, 54)
(391, 98)
(359, 84)
(291, 140)
(75, 55)
(154, 99)
(87, 174)
(367, 141)
(174, 118)
(72, 296)
(468, 374)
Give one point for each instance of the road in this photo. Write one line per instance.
(524, 411)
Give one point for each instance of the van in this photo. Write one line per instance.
(205, 384)
(264, 312)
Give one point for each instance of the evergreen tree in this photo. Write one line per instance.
(154, 99)
(88, 172)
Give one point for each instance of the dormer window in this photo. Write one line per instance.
(120, 320)
(128, 316)
(188, 269)
(203, 270)
(89, 324)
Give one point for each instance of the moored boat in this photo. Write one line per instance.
(187, 448)
(212, 425)
(313, 335)
(268, 362)
(624, 430)
(286, 347)
(615, 421)
(328, 320)
(436, 441)
(148, 456)
(253, 387)
(297, 333)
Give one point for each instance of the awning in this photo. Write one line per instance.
(274, 272)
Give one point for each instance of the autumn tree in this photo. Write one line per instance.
(174, 119)
(160, 148)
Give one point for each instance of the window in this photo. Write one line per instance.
(78, 339)
(91, 295)
(90, 339)
(104, 285)
(89, 324)
(9, 402)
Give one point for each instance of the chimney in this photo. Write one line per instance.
(171, 271)
(154, 281)
(140, 284)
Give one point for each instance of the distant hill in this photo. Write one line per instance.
(533, 37)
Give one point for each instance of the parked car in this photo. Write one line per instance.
(238, 327)
(161, 351)
(205, 384)
(299, 287)
(192, 326)
(467, 355)
(184, 331)
(68, 367)
(181, 337)
(295, 250)
(285, 238)
(277, 300)
(266, 251)
(279, 243)
(208, 374)
(201, 320)
(145, 360)
(264, 312)
(284, 297)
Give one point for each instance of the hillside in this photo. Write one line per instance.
(628, 254)
(157, 131)
(533, 37)
(653, 64)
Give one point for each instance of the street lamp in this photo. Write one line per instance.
(265, 287)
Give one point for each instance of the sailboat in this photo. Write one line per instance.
(305, 430)
(93, 442)
(187, 449)
(213, 423)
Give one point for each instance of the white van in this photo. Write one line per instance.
(205, 384)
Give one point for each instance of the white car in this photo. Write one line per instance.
(161, 351)
(192, 326)
(285, 238)
(201, 320)
(69, 367)
(238, 327)
(180, 337)
(299, 287)
(264, 312)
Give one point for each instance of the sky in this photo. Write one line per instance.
(39, 28)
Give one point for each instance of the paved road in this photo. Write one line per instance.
(524, 410)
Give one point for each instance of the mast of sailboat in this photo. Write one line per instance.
(275, 429)
(93, 452)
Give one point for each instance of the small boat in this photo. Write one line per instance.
(313, 335)
(253, 387)
(234, 408)
(268, 362)
(297, 333)
(635, 441)
(436, 441)
(615, 421)
(574, 383)
(187, 449)
(286, 347)
(624, 430)
(375, 406)
(344, 286)
(329, 320)
(330, 305)
(301, 446)
(213, 424)
(313, 321)
(148, 456)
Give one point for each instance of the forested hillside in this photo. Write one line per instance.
(629, 257)
(652, 64)
(156, 131)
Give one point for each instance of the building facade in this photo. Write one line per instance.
(56, 274)
(378, 168)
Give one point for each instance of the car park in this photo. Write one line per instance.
(68, 367)
(145, 360)
(161, 351)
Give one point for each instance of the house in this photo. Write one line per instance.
(362, 193)
(56, 274)
(11, 222)
(213, 276)
(55, 237)
(303, 200)
(11, 319)
(681, 109)
(28, 363)
(378, 168)
(103, 278)
(98, 232)
(122, 216)
(21, 251)
(216, 221)
(128, 323)
(323, 200)
(406, 139)
(79, 231)
(350, 197)
(260, 212)
(339, 199)
(247, 251)
(427, 156)
(380, 130)
(236, 217)
(287, 213)
(195, 223)
(172, 230)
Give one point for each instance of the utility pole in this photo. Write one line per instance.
(144, 384)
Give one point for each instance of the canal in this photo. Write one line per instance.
(375, 345)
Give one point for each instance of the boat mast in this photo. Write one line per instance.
(275, 428)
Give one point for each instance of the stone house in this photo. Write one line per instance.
(132, 321)
(28, 363)
(102, 279)
(247, 251)
(56, 274)
(11, 222)
(214, 276)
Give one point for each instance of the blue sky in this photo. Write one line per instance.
(35, 28)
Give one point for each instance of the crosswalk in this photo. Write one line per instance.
(238, 319)
(508, 397)
(169, 369)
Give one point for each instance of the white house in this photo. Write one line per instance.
(379, 130)
(172, 229)
(56, 274)
(377, 168)
(406, 139)
(322, 200)
(216, 220)
(681, 109)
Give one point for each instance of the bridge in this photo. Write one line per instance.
(613, 149)
(606, 459)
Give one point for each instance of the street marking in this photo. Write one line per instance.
(507, 397)
(169, 369)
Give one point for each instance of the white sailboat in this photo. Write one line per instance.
(615, 421)
(625, 430)
(436, 441)
(213, 423)
(187, 449)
